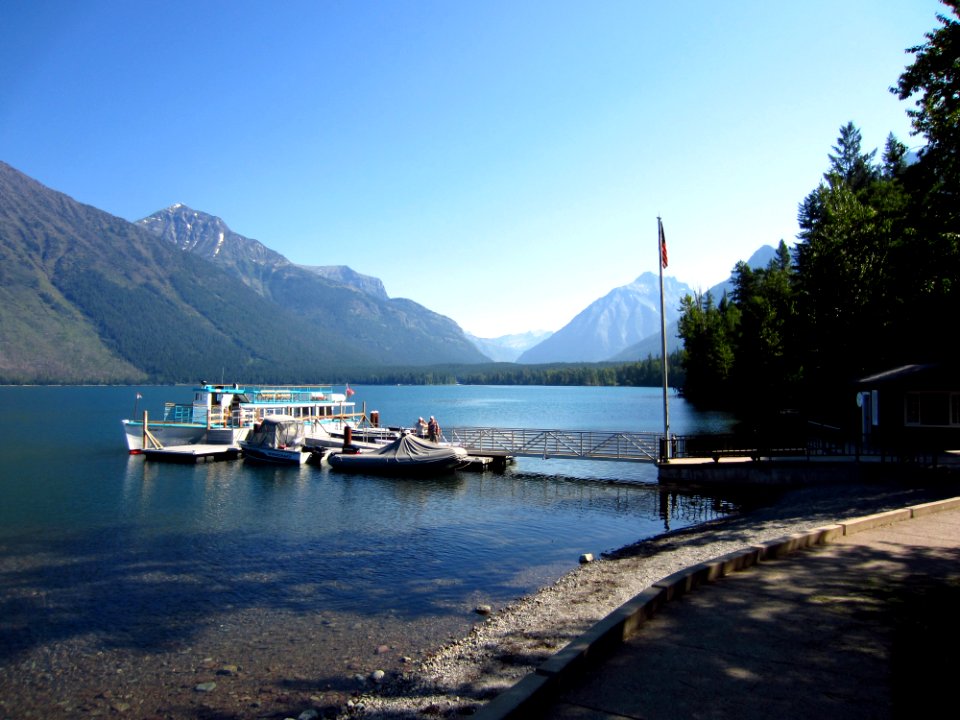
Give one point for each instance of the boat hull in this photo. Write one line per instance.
(377, 465)
(172, 434)
(275, 456)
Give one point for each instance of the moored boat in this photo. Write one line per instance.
(408, 455)
(276, 439)
(370, 438)
(225, 414)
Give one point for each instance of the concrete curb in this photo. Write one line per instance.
(540, 686)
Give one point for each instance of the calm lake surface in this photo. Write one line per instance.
(98, 544)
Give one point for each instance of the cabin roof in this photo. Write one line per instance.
(918, 375)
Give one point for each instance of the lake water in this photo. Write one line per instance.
(106, 550)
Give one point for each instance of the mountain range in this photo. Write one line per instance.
(89, 297)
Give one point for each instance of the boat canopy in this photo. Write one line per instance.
(277, 431)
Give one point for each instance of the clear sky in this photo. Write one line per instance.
(502, 163)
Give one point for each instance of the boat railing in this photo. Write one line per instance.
(356, 419)
(291, 393)
(178, 413)
(224, 417)
(185, 413)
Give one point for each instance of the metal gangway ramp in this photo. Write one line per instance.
(584, 444)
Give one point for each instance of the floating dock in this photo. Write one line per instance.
(487, 460)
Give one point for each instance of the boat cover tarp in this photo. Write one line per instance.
(277, 432)
(406, 454)
(409, 448)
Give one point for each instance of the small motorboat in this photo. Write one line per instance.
(276, 439)
(408, 455)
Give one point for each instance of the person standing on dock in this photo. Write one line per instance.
(433, 429)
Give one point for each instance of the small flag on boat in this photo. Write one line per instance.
(349, 392)
(663, 245)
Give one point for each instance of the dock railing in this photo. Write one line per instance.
(650, 446)
(586, 444)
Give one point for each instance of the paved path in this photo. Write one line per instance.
(865, 626)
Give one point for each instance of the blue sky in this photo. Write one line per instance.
(502, 163)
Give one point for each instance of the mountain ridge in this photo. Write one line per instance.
(86, 296)
(393, 331)
(82, 293)
(611, 323)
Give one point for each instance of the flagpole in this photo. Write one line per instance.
(662, 263)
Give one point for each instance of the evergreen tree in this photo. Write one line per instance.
(707, 332)
(934, 80)
(764, 347)
(849, 164)
(894, 158)
(874, 273)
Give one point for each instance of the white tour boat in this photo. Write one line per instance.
(225, 414)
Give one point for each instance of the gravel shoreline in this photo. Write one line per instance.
(461, 676)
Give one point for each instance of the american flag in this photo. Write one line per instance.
(663, 245)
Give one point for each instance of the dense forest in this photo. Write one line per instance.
(644, 373)
(873, 277)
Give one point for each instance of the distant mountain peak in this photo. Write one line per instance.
(207, 236)
(392, 331)
(622, 317)
(507, 348)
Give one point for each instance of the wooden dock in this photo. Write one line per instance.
(192, 453)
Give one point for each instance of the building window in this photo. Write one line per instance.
(932, 409)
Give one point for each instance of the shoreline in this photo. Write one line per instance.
(461, 676)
